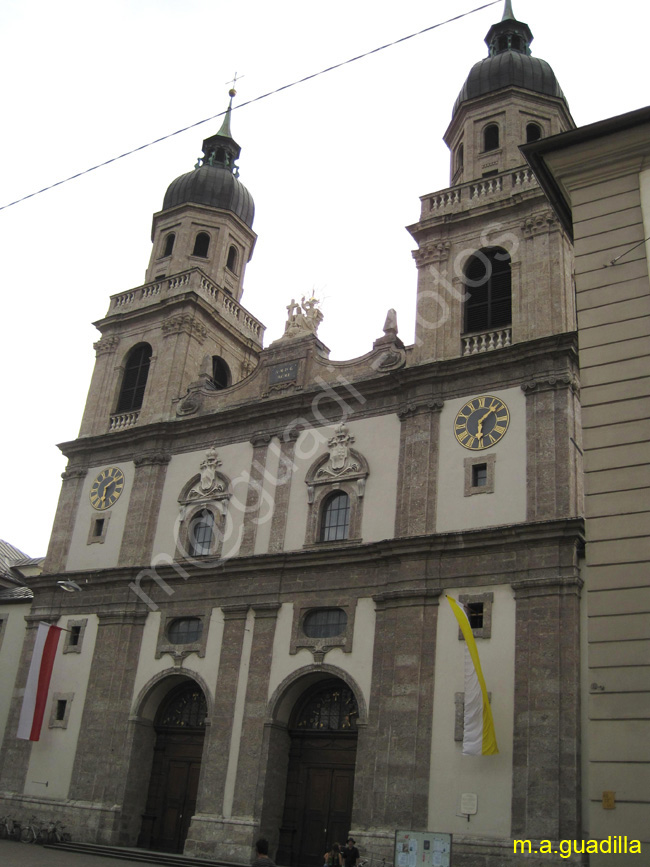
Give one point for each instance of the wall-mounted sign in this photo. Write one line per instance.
(283, 372)
(422, 849)
(468, 804)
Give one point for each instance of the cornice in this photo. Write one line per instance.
(383, 395)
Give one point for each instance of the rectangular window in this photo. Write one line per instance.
(475, 614)
(75, 635)
(479, 475)
(98, 529)
(61, 705)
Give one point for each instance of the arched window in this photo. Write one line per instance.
(460, 157)
(491, 137)
(185, 708)
(328, 709)
(335, 520)
(220, 372)
(201, 534)
(488, 282)
(135, 379)
(201, 245)
(169, 244)
(231, 264)
(533, 132)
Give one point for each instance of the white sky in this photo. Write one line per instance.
(336, 167)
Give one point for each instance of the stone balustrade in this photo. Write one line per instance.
(478, 191)
(195, 281)
(473, 344)
(122, 420)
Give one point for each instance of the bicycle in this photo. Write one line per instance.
(33, 834)
(56, 834)
(9, 829)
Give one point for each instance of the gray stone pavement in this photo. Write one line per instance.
(13, 854)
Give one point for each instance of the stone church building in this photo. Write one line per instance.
(257, 542)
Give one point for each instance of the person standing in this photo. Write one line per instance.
(333, 857)
(350, 854)
(262, 850)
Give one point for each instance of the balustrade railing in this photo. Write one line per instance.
(478, 190)
(473, 344)
(190, 280)
(122, 420)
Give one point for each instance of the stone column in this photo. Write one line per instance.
(101, 764)
(251, 767)
(260, 444)
(393, 755)
(144, 507)
(216, 751)
(546, 739)
(15, 754)
(418, 468)
(66, 515)
(553, 458)
(283, 490)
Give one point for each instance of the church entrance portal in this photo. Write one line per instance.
(320, 778)
(180, 729)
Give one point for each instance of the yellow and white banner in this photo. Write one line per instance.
(479, 738)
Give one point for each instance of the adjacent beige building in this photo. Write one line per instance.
(598, 179)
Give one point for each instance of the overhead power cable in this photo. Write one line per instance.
(250, 102)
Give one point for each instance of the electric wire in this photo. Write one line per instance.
(250, 102)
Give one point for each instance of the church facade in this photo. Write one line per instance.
(258, 541)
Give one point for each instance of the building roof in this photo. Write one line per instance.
(15, 594)
(215, 179)
(509, 64)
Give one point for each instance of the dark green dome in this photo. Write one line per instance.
(215, 186)
(509, 64)
(509, 69)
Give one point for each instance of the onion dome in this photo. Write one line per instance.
(215, 179)
(509, 64)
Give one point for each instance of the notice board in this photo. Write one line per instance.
(422, 849)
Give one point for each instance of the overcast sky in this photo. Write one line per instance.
(336, 167)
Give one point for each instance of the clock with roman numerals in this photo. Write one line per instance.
(481, 423)
(106, 488)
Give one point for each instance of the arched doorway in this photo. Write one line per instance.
(320, 777)
(171, 802)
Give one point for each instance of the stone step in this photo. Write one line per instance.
(144, 856)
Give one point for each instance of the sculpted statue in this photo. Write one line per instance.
(340, 460)
(209, 482)
(302, 319)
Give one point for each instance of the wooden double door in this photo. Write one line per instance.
(318, 801)
(173, 790)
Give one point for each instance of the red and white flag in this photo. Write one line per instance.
(38, 682)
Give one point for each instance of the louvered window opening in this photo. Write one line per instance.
(135, 379)
(186, 709)
(488, 281)
(336, 518)
(332, 709)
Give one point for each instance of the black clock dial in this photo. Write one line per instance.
(481, 423)
(106, 488)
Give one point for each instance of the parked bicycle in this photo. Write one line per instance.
(33, 833)
(9, 828)
(56, 834)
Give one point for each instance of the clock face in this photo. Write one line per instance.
(106, 488)
(481, 423)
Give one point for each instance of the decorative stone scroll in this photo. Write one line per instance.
(342, 463)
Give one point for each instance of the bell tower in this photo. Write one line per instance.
(185, 326)
(494, 265)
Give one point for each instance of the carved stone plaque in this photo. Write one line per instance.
(283, 372)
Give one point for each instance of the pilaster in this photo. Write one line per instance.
(546, 737)
(282, 490)
(64, 521)
(260, 443)
(104, 751)
(394, 752)
(418, 468)
(144, 507)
